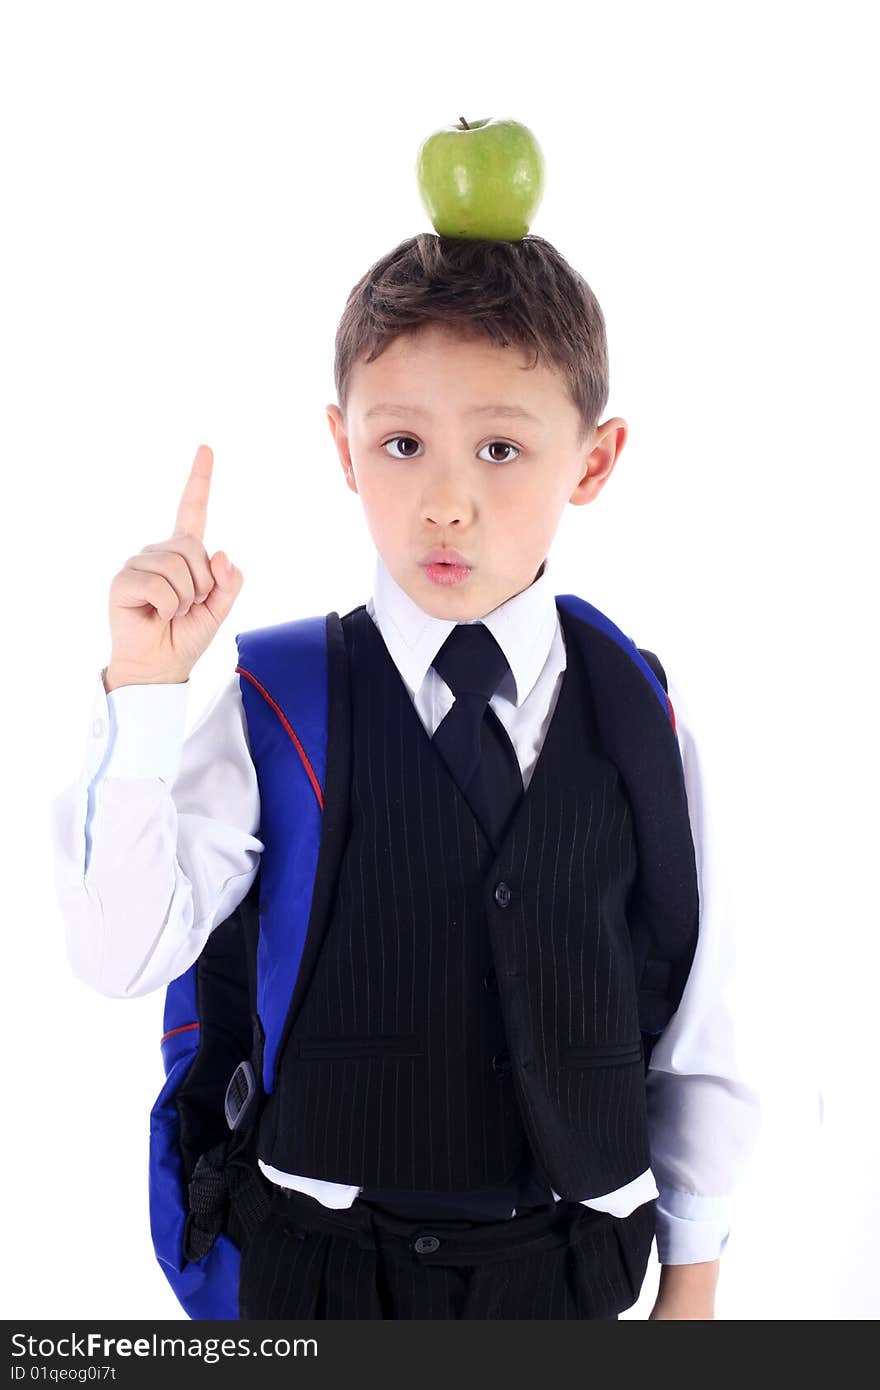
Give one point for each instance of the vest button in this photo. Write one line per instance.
(490, 981)
(501, 1063)
(426, 1245)
(502, 894)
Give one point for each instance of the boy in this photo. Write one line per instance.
(468, 1045)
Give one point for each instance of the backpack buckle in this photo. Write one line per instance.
(240, 1094)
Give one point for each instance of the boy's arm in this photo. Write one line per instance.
(155, 842)
(703, 1113)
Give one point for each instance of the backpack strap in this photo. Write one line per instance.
(650, 1038)
(664, 911)
(654, 663)
(285, 668)
(227, 1191)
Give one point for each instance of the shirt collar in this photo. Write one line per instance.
(523, 626)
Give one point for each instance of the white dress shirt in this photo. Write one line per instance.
(157, 842)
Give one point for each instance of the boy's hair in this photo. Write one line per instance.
(517, 292)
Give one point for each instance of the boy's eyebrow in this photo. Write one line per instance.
(512, 411)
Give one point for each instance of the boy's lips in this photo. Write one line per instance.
(447, 570)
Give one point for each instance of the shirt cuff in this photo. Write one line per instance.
(690, 1229)
(138, 730)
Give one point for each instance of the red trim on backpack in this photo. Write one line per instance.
(299, 748)
(184, 1028)
(671, 714)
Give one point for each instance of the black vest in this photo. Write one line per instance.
(468, 1008)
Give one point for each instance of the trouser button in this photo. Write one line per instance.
(426, 1245)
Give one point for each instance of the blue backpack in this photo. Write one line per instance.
(225, 1016)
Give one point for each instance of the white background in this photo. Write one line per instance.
(190, 191)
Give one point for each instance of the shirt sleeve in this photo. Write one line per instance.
(703, 1113)
(155, 842)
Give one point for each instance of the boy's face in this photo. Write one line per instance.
(442, 471)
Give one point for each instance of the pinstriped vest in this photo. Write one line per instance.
(465, 1004)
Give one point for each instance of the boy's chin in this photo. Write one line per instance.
(454, 601)
(458, 602)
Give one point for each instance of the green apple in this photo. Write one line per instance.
(481, 180)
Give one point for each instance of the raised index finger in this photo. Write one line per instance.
(192, 514)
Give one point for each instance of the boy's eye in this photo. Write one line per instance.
(493, 443)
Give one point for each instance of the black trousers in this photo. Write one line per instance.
(563, 1261)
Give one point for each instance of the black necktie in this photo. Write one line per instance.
(471, 739)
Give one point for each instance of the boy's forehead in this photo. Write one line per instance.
(426, 371)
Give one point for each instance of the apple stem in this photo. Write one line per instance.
(464, 124)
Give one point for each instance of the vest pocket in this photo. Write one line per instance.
(360, 1045)
(600, 1054)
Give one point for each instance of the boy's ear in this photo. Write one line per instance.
(598, 464)
(340, 439)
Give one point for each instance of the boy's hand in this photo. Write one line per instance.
(687, 1292)
(167, 602)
